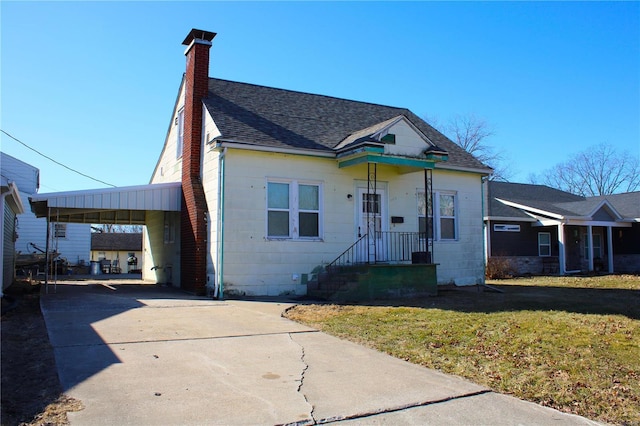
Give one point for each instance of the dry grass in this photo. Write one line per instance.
(571, 343)
(31, 393)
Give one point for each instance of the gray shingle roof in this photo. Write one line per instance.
(556, 201)
(280, 118)
(116, 241)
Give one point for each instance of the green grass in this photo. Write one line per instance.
(571, 343)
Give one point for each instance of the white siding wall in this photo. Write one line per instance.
(169, 166)
(75, 247)
(161, 257)
(408, 142)
(25, 176)
(255, 265)
(210, 177)
(8, 249)
(462, 261)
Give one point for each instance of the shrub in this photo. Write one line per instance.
(499, 268)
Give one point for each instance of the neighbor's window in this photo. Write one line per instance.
(544, 244)
(180, 143)
(597, 246)
(293, 209)
(445, 221)
(60, 230)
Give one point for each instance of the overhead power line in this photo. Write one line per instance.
(55, 161)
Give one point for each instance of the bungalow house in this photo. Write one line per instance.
(539, 229)
(118, 252)
(277, 185)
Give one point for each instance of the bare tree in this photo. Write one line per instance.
(598, 170)
(470, 133)
(109, 228)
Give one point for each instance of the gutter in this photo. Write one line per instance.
(447, 166)
(227, 143)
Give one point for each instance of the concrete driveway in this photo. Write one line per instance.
(139, 354)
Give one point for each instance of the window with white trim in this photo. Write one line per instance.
(597, 246)
(446, 219)
(294, 209)
(180, 141)
(60, 230)
(544, 244)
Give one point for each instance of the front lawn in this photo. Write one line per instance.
(571, 343)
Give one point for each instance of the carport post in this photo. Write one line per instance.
(46, 252)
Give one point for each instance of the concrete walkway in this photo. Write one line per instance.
(149, 355)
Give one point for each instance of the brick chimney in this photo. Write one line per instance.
(193, 225)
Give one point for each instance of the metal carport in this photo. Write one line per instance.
(132, 205)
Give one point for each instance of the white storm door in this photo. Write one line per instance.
(372, 220)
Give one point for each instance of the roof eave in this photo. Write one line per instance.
(218, 144)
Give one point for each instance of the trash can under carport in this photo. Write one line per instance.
(94, 268)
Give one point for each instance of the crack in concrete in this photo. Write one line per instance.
(398, 408)
(301, 383)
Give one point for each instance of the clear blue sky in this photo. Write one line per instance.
(92, 84)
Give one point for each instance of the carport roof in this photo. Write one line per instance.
(122, 206)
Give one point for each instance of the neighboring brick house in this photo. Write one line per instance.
(545, 230)
(278, 183)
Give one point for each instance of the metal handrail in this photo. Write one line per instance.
(349, 254)
(394, 247)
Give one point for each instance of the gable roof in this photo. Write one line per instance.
(116, 241)
(554, 202)
(284, 119)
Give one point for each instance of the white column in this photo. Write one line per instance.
(590, 242)
(562, 263)
(610, 246)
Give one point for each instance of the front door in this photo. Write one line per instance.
(572, 249)
(372, 221)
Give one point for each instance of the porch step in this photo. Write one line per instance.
(366, 282)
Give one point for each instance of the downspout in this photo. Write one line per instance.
(485, 231)
(220, 260)
(46, 248)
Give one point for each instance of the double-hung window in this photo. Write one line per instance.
(446, 215)
(425, 217)
(294, 209)
(60, 230)
(180, 141)
(447, 219)
(544, 244)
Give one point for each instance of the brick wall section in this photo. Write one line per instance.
(628, 263)
(193, 241)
